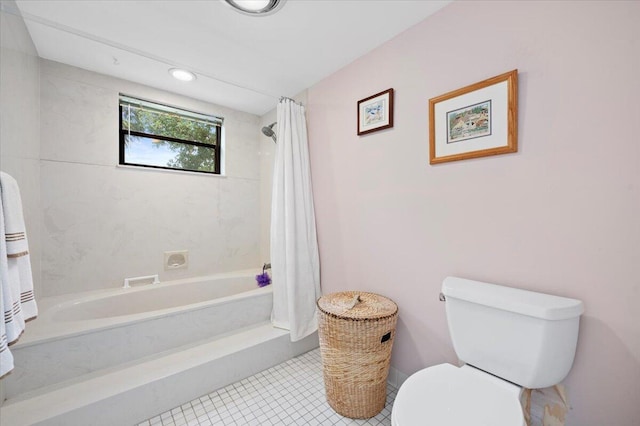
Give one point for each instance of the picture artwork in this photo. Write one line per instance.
(374, 113)
(473, 121)
(478, 120)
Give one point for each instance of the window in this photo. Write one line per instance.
(164, 137)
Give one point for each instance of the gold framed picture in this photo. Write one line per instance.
(475, 121)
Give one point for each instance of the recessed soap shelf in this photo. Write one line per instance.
(176, 259)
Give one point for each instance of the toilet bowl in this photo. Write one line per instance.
(508, 339)
(446, 395)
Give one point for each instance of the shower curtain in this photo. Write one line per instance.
(295, 262)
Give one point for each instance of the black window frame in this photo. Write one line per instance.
(122, 132)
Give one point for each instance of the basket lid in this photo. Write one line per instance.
(357, 305)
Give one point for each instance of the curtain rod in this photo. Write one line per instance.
(283, 98)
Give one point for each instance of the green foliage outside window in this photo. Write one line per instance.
(193, 141)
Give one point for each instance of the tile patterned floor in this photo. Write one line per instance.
(291, 393)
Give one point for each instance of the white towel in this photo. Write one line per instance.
(6, 358)
(16, 281)
(14, 229)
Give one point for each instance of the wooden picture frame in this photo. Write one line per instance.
(475, 121)
(375, 112)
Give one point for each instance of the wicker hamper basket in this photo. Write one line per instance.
(356, 332)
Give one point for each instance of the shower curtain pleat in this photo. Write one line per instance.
(295, 263)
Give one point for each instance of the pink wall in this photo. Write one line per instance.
(562, 215)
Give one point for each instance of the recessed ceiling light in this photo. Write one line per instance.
(182, 75)
(256, 7)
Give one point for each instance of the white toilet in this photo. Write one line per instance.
(508, 339)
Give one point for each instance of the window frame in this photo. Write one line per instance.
(217, 121)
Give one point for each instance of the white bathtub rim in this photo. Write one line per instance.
(43, 329)
(64, 301)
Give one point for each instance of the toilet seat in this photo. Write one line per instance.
(445, 395)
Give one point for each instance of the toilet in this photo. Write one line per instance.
(508, 339)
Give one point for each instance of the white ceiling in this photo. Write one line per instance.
(242, 62)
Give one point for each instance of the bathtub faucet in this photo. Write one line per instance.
(128, 281)
(265, 267)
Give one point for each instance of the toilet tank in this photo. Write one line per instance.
(525, 337)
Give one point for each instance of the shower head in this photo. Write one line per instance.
(268, 131)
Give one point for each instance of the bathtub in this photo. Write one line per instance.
(156, 299)
(77, 335)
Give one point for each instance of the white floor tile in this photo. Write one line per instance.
(291, 393)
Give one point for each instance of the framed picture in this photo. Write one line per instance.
(375, 112)
(475, 121)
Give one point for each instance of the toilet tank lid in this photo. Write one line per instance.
(538, 305)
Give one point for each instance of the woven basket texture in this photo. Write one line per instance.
(356, 330)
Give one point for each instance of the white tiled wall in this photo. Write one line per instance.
(20, 122)
(103, 223)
